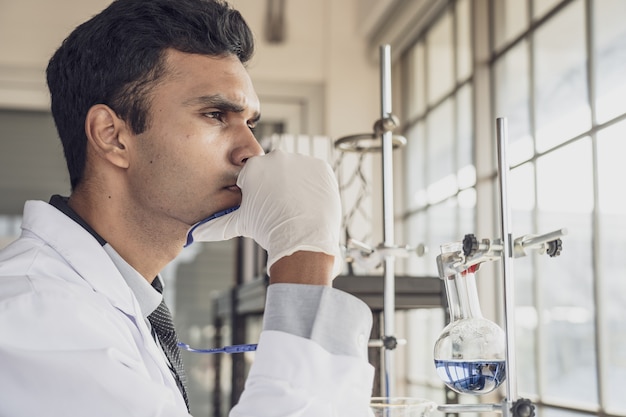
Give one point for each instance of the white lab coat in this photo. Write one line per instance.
(73, 342)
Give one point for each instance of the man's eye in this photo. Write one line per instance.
(217, 115)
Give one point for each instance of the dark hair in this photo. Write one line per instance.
(117, 57)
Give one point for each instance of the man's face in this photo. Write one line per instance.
(198, 138)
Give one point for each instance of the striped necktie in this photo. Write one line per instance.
(163, 327)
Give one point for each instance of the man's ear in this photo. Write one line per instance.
(107, 134)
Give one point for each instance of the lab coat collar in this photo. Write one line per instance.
(148, 296)
(61, 203)
(81, 250)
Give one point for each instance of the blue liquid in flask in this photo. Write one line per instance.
(471, 377)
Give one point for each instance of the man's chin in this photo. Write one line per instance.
(219, 213)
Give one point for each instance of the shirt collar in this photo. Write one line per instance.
(148, 296)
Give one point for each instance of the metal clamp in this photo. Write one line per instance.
(459, 257)
(387, 342)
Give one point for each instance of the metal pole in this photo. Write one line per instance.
(388, 214)
(507, 267)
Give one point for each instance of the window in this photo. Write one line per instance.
(556, 73)
(440, 172)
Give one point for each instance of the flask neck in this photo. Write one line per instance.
(462, 296)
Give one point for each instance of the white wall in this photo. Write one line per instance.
(30, 31)
(323, 48)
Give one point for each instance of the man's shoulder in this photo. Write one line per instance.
(21, 255)
(28, 264)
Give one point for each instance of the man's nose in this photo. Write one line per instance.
(248, 148)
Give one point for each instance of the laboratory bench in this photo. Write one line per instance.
(240, 309)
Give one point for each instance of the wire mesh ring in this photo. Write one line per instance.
(367, 142)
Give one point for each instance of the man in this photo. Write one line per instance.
(155, 112)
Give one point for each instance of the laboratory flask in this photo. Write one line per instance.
(470, 351)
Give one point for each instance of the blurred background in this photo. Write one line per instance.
(554, 68)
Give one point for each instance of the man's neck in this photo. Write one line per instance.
(146, 245)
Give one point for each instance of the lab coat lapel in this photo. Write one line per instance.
(86, 256)
(81, 250)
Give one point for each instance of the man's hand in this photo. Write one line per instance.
(291, 207)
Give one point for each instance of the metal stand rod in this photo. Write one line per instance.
(469, 408)
(389, 291)
(507, 267)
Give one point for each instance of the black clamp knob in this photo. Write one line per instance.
(554, 248)
(523, 407)
(470, 245)
(390, 342)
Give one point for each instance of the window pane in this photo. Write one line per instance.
(612, 246)
(510, 19)
(463, 40)
(441, 229)
(415, 164)
(416, 78)
(467, 211)
(440, 59)
(553, 412)
(440, 149)
(522, 201)
(417, 234)
(610, 56)
(466, 172)
(565, 183)
(541, 7)
(422, 331)
(521, 191)
(512, 101)
(562, 108)
(565, 200)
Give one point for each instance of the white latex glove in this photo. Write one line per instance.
(290, 202)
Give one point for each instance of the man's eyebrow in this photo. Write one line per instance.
(220, 102)
(215, 100)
